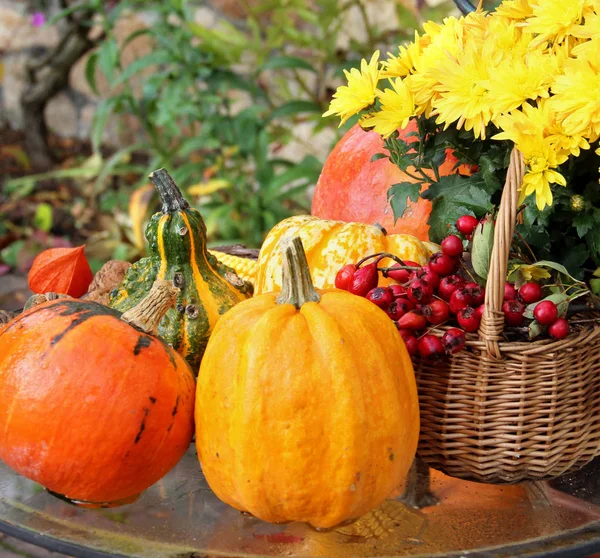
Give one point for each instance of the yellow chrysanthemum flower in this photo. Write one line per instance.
(541, 161)
(404, 63)
(397, 107)
(359, 94)
(554, 20)
(576, 97)
(533, 272)
(515, 9)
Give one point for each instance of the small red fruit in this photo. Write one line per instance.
(559, 329)
(412, 321)
(398, 291)
(344, 276)
(466, 224)
(426, 274)
(430, 347)
(442, 264)
(480, 310)
(513, 312)
(412, 345)
(448, 285)
(398, 274)
(398, 308)
(452, 246)
(545, 312)
(510, 293)
(380, 296)
(364, 279)
(530, 293)
(460, 299)
(420, 292)
(453, 340)
(468, 319)
(436, 311)
(405, 333)
(475, 293)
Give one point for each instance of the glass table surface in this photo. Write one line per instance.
(180, 517)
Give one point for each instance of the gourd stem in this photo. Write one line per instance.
(147, 314)
(171, 197)
(296, 287)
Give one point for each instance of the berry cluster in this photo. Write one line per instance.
(441, 293)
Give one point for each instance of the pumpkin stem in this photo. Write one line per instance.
(296, 287)
(170, 195)
(146, 315)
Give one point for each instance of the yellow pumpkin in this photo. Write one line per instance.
(329, 245)
(306, 404)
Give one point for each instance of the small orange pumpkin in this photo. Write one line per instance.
(92, 407)
(306, 404)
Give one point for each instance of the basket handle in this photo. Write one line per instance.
(492, 323)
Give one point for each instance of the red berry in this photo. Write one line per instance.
(344, 276)
(510, 293)
(426, 274)
(398, 274)
(413, 321)
(436, 312)
(420, 292)
(530, 293)
(398, 308)
(545, 312)
(468, 319)
(412, 345)
(475, 293)
(459, 300)
(448, 285)
(380, 296)
(398, 291)
(466, 224)
(452, 246)
(453, 340)
(405, 333)
(513, 312)
(480, 310)
(442, 264)
(364, 279)
(559, 329)
(430, 347)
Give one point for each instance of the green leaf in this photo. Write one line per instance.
(90, 71)
(104, 108)
(399, 195)
(108, 58)
(287, 63)
(560, 299)
(66, 12)
(557, 267)
(481, 250)
(295, 107)
(42, 219)
(152, 59)
(378, 156)
(583, 224)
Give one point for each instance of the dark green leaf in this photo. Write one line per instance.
(90, 71)
(108, 58)
(378, 156)
(583, 223)
(287, 63)
(295, 107)
(399, 196)
(152, 59)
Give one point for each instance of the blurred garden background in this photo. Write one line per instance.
(226, 94)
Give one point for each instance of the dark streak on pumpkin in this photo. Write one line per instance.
(143, 342)
(176, 406)
(153, 400)
(83, 312)
(142, 426)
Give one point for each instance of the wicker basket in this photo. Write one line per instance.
(502, 412)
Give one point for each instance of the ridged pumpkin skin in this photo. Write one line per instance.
(351, 187)
(90, 407)
(208, 288)
(306, 415)
(329, 245)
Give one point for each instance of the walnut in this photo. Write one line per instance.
(108, 278)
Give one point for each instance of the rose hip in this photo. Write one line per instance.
(401, 275)
(510, 293)
(559, 329)
(468, 319)
(479, 310)
(442, 264)
(436, 311)
(398, 291)
(430, 347)
(513, 312)
(475, 293)
(530, 293)
(420, 292)
(466, 224)
(453, 340)
(412, 320)
(412, 345)
(545, 312)
(398, 308)
(364, 279)
(344, 276)
(452, 246)
(460, 299)
(380, 296)
(448, 285)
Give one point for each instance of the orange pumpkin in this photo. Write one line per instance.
(306, 404)
(352, 188)
(92, 407)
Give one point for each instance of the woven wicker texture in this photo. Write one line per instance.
(507, 412)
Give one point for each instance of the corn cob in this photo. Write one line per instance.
(244, 267)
